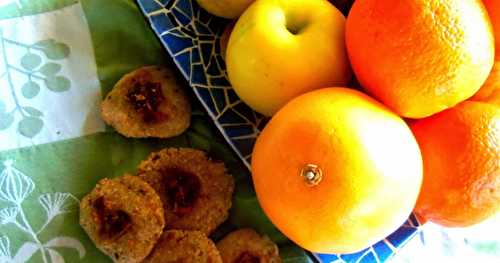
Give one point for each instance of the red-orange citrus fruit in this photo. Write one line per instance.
(461, 153)
(420, 57)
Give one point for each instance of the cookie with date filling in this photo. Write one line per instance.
(123, 217)
(148, 102)
(196, 192)
(246, 245)
(184, 246)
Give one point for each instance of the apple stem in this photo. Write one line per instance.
(312, 174)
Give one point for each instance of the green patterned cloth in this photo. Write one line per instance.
(58, 58)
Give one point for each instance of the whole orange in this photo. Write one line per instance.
(490, 91)
(461, 154)
(420, 57)
(493, 7)
(336, 170)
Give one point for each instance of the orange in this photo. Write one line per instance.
(493, 7)
(420, 57)
(336, 171)
(490, 91)
(461, 153)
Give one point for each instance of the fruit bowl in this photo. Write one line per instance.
(192, 38)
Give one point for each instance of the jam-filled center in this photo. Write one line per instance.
(183, 189)
(112, 222)
(146, 97)
(247, 257)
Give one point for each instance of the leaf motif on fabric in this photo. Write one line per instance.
(6, 120)
(14, 185)
(67, 242)
(57, 203)
(30, 89)
(15, 188)
(50, 69)
(8, 215)
(53, 50)
(39, 65)
(26, 251)
(31, 61)
(58, 83)
(30, 126)
(5, 250)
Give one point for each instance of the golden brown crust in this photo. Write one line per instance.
(246, 244)
(171, 116)
(213, 198)
(184, 246)
(123, 217)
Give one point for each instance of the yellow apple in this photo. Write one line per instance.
(280, 49)
(225, 8)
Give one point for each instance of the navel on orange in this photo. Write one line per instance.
(420, 57)
(336, 171)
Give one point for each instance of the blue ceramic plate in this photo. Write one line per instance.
(192, 37)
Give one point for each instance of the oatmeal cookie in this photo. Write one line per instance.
(196, 191)
(148, 102)
(123, 217)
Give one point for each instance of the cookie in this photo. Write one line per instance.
(123, 217)
(184, 246)
(246, 245)
(148, 102)
(196, 192)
